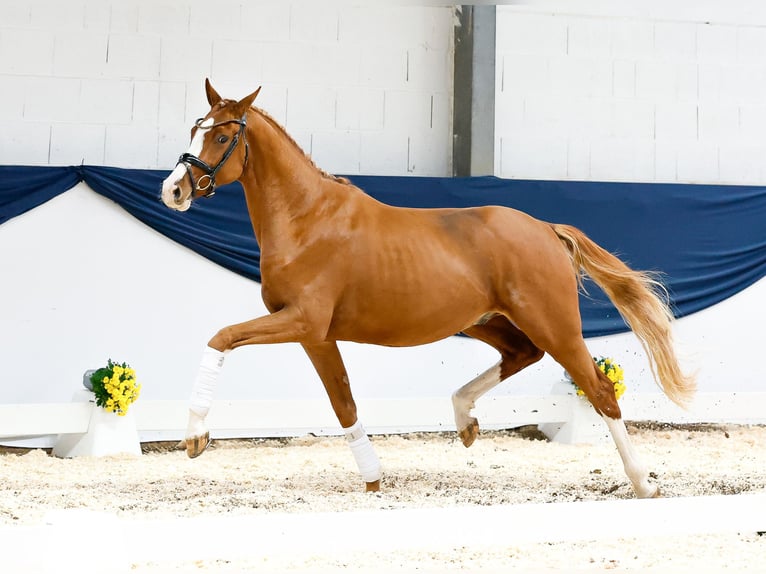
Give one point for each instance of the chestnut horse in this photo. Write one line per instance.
(337, 265)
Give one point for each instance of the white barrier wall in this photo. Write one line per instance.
(364, 89)
(632, 91)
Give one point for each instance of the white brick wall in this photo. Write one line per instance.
(119, 83)
(670, 92)
(664, 91)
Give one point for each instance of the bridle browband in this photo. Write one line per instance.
(206, 182)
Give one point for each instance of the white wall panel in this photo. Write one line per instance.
(97, 15)
(589, 37)
(235, 60)
(742, 161)
(698, 161)
(17, 14)
(527, 156)
(683, 79)
(718, 123)
(185, 57)
(12, 97)
(666, 160)
(427, 68)
(131, 146)
(676, 120)
(632, 39)
(106, 101)
(311, 108)
(266, 21)
(82, 54)
(25, 142)
(221, 19)
(383, 153)
(578, 159)
(338, 151)
(359, 108)
(383, 67)
(146, 99)
(523, 33)
(428, 154)
(77, 143)
(134, 56)
(675, 40)
(314, 23)
(163, 18)
(633, 119)
(123, 17)
(622, 159)
(26, 51)
(716, 43)
(51, 99)
(139, 64)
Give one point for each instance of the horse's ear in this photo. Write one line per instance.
(247, 101)
(212, 96)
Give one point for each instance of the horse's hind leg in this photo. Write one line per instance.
(516, 352)
(600, 392)
(329, 366)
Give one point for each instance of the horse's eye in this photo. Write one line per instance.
(223, 139)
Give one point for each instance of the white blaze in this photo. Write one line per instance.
(171, 182)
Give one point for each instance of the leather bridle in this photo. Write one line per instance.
(205, 184)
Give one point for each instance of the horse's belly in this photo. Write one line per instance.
(402, 326)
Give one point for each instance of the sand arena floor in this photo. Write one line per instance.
(258, 479)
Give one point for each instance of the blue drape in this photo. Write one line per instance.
(709, 242)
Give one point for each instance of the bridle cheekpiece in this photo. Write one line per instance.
(206, 182)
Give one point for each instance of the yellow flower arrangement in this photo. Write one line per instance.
(613, 372)
(115, 387)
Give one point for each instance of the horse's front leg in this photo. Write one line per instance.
(329, 366)
(286, 325)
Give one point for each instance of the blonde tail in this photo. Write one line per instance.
(640, 299)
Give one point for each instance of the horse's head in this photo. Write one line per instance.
(217, 153)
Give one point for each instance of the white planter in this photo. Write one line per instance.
(584, 425)
(108, 433)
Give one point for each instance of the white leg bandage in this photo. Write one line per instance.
(364, 454)
(202, 393)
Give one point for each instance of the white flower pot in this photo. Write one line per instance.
(584, 425)
(108, 433)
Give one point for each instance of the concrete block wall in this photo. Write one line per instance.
(652, 91)
(364, 89)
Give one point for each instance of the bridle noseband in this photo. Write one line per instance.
(206, 182)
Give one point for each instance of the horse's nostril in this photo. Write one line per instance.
(176, 193)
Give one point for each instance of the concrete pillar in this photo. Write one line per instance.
(473, 151)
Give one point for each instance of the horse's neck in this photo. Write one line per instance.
(282, 185)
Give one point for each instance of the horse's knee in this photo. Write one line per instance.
(222, 340)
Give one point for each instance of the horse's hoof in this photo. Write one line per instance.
(469, 433)
(195, 446)
(655, 494)
(372, 486)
